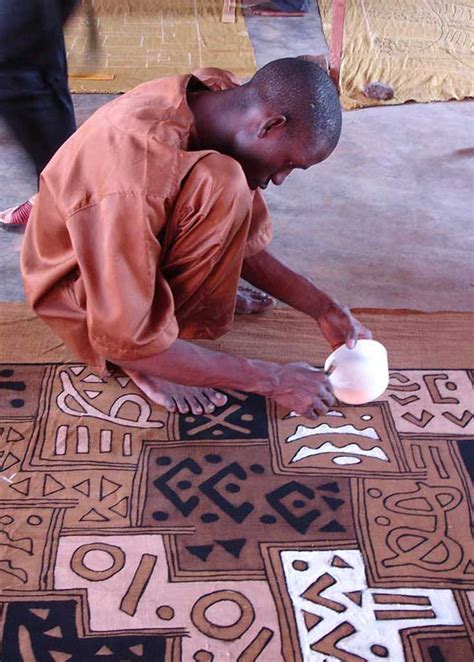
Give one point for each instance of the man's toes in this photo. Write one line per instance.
(209, 406)
(196, 406)
(182, 404)
(217, 398)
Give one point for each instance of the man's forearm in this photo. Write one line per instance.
(186, 363)
(270, 275)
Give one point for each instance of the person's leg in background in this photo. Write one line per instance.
(35, 101)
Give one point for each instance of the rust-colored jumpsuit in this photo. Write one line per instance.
(133, 240)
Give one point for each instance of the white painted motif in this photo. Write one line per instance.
(436, 607)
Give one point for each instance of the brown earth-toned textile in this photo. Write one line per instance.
(128, 533)
(146, 39)
(423, 50)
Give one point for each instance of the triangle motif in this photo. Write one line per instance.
(121, 508)
(233, 547)
(84, 487)
(310, 620)
(355, 597)
(93, 516)
(330, 487)
(201, 551)
(93, 379)
(25, 487)
(10, 460)
(92, 394)
(123, 381)
(337, 562)
(59, 656)
(41, 613)
(51, 485)
(55, 632)
(104, 651)
(108, 487)
(13, 435)
(77, 369)
(333, 527)
(469, 569)
(137, 650)
(333, 503)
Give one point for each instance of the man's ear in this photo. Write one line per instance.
(270, 124)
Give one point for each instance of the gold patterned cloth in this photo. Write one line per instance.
(423, 50)
(146, 39)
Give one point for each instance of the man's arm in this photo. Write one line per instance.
(270, 275)
(296, 386)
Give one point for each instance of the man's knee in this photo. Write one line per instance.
(227, 177)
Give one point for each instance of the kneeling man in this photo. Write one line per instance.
(150, 213)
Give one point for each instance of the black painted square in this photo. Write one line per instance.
(53, 628)
(466, 450)
(244, 416)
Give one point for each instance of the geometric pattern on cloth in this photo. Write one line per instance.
(130, 533)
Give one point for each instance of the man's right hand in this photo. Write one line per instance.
(302, 389)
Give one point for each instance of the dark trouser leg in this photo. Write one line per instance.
(37, 106)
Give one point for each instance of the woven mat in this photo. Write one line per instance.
(250, 534)
(146, 39)
(424, 50)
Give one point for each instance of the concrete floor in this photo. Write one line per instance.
(386, 222)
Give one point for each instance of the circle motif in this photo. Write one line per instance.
(379, 651)
(203, 656)
(299, 565)
(374, 493)
(247, 417)
(298, 503)
(160, 515)
(382, 521)
(165, 612)
(257, 468)
(213, 459)
(17, 403)
(223, 632)
(34, 520)
(80, 568)
(209, 517)
(6, 520)
(451, 386)
(163, 460)
(268, 519)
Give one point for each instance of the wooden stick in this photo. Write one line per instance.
(228, 11)
(337, 37)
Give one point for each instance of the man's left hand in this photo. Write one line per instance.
(339, 326)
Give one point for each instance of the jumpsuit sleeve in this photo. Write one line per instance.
(129, 305)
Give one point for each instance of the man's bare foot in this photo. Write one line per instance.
(177, 397)
(252, 301)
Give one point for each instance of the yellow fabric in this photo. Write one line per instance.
(146, 39)
(423, 49)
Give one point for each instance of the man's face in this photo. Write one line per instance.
(272, 155)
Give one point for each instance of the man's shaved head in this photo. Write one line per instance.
(302, 92)
(286, 117)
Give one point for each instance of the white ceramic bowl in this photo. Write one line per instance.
(361, 374)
